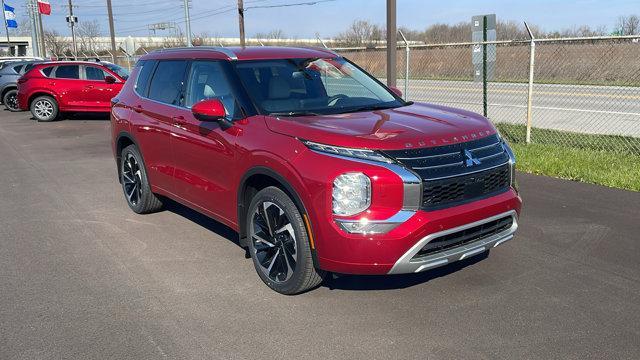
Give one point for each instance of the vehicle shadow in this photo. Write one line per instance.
(332, 281)
(86, 116)
(202, 220)
(391, 282)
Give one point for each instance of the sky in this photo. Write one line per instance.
(328, 18)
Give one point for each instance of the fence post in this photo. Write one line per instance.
(406, 68)
(484, 67)
(532, 62)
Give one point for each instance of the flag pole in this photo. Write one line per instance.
(6, 29)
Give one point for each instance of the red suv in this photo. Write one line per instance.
(316, 164)
(69, 86)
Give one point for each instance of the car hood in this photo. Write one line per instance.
(412, 126)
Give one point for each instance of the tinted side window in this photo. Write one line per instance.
(208, 80)
(47, 71)
(17, 69)
(94, 73)
(68, 72)
(144, 74)
(166, 83)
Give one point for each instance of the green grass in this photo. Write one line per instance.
(607, 160)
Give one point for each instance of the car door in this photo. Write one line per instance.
(158, 86)
(68, 86)
(204, 152)
(96, 91)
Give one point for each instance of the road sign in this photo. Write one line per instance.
(478, 36)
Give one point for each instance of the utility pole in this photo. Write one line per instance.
(34, 35)
(6, 28)
(187, 20)
(112, 32)
(43, 47)
(72, 23)
(392, 43)
(241, 21)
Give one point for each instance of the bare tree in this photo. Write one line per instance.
(58, 45)
(629, 25)
(88, 32)
(361, 33)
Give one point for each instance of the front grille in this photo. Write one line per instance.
(438, 193)
(458, 173)
(466, 236)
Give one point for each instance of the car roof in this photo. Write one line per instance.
(70, 62)
(240, 53)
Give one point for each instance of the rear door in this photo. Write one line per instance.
(158, 86)
(68, 86)
(97, 92)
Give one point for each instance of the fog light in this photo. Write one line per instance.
(351, 194)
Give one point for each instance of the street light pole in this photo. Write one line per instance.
(187, 19)
(392, 43)
(241, 21)
(112, 32)
(6, 28)
(72, 23)
(35, 49)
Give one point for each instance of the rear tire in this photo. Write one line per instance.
(135, 183)
(44, 108)
(279, 243)
(10, 100)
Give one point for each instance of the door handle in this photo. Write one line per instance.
(138, 108)
(52, 83)
(89, 87)
(179, 120)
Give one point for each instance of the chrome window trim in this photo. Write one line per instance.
(406, 263)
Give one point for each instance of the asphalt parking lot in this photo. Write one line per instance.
(83, 277)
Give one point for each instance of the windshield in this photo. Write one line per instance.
(312, 86)
(122, 72)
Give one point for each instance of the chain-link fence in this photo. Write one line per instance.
(585, 91)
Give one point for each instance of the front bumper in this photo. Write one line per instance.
(409, 263)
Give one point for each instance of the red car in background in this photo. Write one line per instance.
(51, 88)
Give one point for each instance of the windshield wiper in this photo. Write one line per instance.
(370, 108)
(294, 113)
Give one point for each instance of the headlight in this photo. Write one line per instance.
(351, 194)
(349, 152)
(512, 164)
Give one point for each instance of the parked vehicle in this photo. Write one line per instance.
(69, 86)
(10, 72)
(316, 164)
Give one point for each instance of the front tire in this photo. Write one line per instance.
(10, 100)
(135, 182)
(44, 108)
(279, 243)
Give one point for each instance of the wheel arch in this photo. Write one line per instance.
(42, 93)
(123, 140)
(258, 178)
(6, 89)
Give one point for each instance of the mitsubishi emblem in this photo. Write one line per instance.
(470, 159)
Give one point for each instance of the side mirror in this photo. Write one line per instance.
(211, 110)
(109, 79)
(395, 90)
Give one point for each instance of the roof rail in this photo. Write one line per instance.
(225, 51)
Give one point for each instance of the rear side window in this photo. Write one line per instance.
(17, 69)
(94, 73)
(68, 72)
(47, 71)
(144, 75)
(166, 83)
